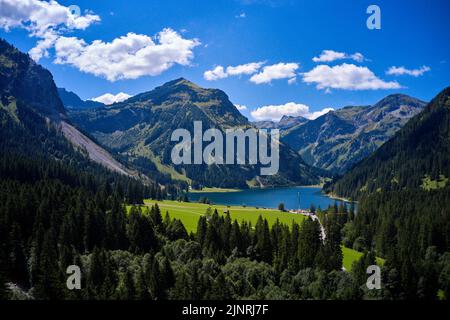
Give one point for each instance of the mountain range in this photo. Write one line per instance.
(339, 139)
(132, 137)
(417, 157)
(72, 101)
(139, 130)
(285, 123)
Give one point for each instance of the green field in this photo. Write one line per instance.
(189, 213)
(429, 184)
(351, 256)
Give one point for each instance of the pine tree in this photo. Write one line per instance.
(236, 238)
(48, 284)
(156, 217)
(125, 291)
(202, 227)
(167, 278)
(17, 260)
(96, 272)
(309, 243)
(263, 240)
(4, 292)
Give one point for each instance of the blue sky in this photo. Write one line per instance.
(285, 35)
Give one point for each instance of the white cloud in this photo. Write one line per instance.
(249, 68)
(276, 112)
(292, 80)
(358, 57)
(241, 15)
(398, 71)
(109, 98)
(45, 20)
(317, 114)
(346, 77)
(128, 57)
(220, 72)
(215, 74)
(240, 107)
(331, 55)
(276, 72)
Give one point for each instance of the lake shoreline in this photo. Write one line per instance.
(269, 197)
(230, 190)
(335, 197)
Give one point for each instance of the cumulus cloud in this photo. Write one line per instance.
(346, 77)
(45, 20)
(247, 69)
(399, 71)
(331, 55)
(109, 98)
(276, 112)
(128, 57)
(215, 74)
(220, 72)
(317, 114)
(276, 72)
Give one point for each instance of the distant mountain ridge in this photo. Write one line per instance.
(72, 101)
(285, 123)
(140, 129)
(338, 140)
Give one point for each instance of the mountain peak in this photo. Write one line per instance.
(399, 99)
(180, 82)
(25, 80)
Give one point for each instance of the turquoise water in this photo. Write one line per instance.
(270, 198)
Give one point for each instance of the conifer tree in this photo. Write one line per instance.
(202, 227)
(309, 243)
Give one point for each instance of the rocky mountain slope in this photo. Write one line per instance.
(340, 139)
(31, 107)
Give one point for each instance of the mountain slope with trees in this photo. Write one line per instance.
(418, 156)
(404, 199)
(30, 100)
(140, 130)
(340, 139)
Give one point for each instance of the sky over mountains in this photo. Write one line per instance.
(273, 58)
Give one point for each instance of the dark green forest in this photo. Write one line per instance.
(404, 202)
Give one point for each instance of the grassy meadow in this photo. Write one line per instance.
(189, 213)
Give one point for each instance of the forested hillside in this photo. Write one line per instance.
(417, 157)
(404, 200)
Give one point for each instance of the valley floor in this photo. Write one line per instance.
(189, 213)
